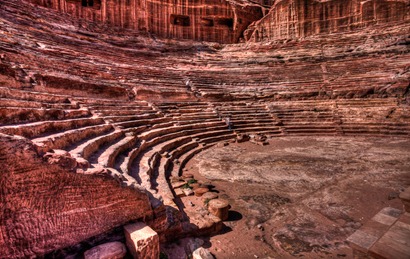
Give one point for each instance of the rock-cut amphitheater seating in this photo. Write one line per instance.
(146, 143)
(143, 141)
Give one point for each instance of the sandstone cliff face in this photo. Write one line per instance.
(203, 20)
(292, 19)
(44, 208)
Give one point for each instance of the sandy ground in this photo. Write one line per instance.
(301, 196)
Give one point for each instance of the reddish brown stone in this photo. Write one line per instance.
(200, 191)
(112, 250)
(293, 19)
(142, 241)
(215, 20)
(35, 193)
(219, 208)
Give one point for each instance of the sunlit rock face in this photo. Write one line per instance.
(202, 20)
(292, 19)
(95, 91)
(227, 21)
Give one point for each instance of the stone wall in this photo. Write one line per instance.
(291, 19)
(203, 20)
(44, 208)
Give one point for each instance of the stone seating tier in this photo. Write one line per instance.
(17, 115)
(39, 128)
(86, 149)
(108, 157)
(8, 102)
(34, 96)
(70, 137)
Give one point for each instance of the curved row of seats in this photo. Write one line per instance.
(330, 85)
(145, 143)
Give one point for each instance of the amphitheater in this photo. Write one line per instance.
(122, 121)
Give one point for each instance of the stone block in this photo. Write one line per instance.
(179, 192)
(394, 244)
(142, 241)
(200, 191)
(112, 250)
(392, 212)
(206, 197)
(361, 241)
(384, 219)
(219, 208)
(202, 253)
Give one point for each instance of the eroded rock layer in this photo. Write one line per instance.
(44, 207)
(292, 19)
(211, 20)
(94, 98)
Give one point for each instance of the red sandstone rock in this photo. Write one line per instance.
(346, 83)
(242, 138)
(206, 197)
(142, 241)
(35, 193)
(202, 253)
(112, 250)
(215, 20)
(200, 191)
(219, 208)
(61, 158)
(294, 19)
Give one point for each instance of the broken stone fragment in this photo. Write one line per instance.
(112, 250)
(200, 191)
(177, 184)
(209, 196)
(142, 241)
(202, 253)
(61, 158)
(82, 163)
(187, 191)
(240, 138)
(179, 192)
(219, 208)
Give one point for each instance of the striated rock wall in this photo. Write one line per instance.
(44, 208)
(203, 20)
(291, 19)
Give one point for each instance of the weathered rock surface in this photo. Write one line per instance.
(142, 241)
(308, 193)
(112, 250)
(61, 158)
(294, 19)
(206, 197)
(219, 208)
(327, 66)
(200, 191)
(138, 108)
(202, 253)
(44, 207)
(216, 20)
